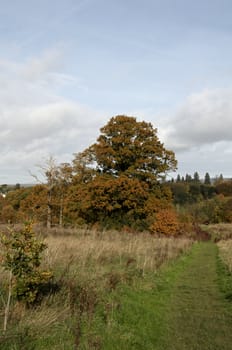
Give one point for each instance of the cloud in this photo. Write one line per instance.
(36, 121)
(205, 118)
(52, 121)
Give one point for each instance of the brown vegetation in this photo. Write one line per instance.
(166, 223)
(219, 232)
(110, 247)
(225, 250)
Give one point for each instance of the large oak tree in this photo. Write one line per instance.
(127, 146)
(119, 177)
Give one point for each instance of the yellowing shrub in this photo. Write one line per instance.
(166, 223)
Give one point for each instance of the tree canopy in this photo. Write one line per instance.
(117, 178)
(126, 146)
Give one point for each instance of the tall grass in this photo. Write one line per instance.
(225, 251)
(101, 250)
(219, 232)
(90, 268)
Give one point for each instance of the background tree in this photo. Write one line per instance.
(180, 191)
(33, 207)
(219, 179)
(64, 179)
(224, 187)
(188, 178)
(49, 173)
(207, 180)
(196, 177)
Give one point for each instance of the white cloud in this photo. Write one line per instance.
(35, 121)
(200, 133)
(205, 118)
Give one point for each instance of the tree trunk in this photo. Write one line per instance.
(7, 307)
(61, 210)
(49, 210)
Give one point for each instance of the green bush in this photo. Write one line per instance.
(22, 257)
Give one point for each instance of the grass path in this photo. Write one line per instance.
(183, 307)
(200, 318)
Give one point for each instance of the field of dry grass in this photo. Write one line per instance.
(89, 268)
(99, 250)
(225, 251)
(222, 231)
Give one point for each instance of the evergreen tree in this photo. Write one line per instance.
(221, 179)
(207, 179)
(188, 178)
(196, 177)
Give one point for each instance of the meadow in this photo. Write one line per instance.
(122, 290)
(92, 270)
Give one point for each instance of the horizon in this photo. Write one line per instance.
(212, 179)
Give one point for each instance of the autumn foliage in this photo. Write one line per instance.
(116, 182)
(166, 223)
(120, 182)
(118, 179)
(132, 148)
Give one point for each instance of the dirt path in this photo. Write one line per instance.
(199, 318)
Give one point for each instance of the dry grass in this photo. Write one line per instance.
(219, 232)
(87, 267)
(97, 250)
(222, 234)
(225, 250)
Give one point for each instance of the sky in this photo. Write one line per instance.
(68, 66)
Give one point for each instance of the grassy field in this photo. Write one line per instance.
(127, 291)
(105, 283)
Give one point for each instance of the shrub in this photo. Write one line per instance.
(22, 257)
(166, 223)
